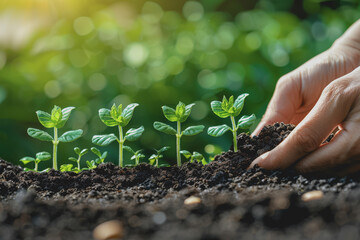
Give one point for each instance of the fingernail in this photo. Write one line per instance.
(259, 159)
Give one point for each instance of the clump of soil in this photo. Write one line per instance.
(235, 202)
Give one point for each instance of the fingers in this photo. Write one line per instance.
(286, 99)
(329, 111)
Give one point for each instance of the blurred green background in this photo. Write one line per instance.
(91, 54)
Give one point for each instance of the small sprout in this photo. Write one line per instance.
(232, 109)
(101, 156)
(40, 157)
(194, 157)
(67, 168)
(91, 164)
(136, 155)
(57, 119)
(154, 159)
(80, 153)
(116, 116)
(178, 115)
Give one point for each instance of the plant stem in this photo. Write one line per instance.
(121, 143)
(234, 133)
(178, 136)
(55, 143)
(36, 166)
(78, 162)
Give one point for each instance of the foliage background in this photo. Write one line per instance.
(90, 54)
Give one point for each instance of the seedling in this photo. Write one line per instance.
(231, 109)
(136, 155)
(194, 157)
(40, 157)
(154, 159)
(91, 164)
(69, 168)
(120, 118)
(178, 115)
(80, 153)
(55, 120)
(101, 156)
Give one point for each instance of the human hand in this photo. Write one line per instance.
(298, 92)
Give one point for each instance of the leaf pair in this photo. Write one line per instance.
(116, 116)
(229, 107)
(190, 131)
(180, 114)
(41, 156)
(57, 118)
(41, 135)
(245, 122)
(131, 135)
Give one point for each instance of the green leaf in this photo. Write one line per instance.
(106, 118)
(66, 167)
(193, 130)
(72, 159)
(96, 151)
(65, 116)
(45, 119)
(83, 152)
(186, 153)
(56, 115)
(245, 122)
(134, 133)
(45, 170)
(39, 134)
(26, 160)
(129, 149)
(169, 113)
(114, 112)
(104, 140)
(239, 103)
(218, 110)
(152, 159)
(104, 155)
(163, 149)
(197, 156)
(218, 131)
(180, 110)
(43, 156)
(128, 113)
(187, 112)
(162, 127)
(71, 135)
(77, 150)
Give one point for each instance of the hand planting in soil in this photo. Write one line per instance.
(80, 153)
(40, 157)
(178, 115)
(56, 120)
(113, 117)
(232, 109)
(194, 157)
(136, 155)
(154, 159)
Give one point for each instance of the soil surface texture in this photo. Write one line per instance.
(221, 200)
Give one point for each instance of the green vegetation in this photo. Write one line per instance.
(117, 117)
(80, 153)
(232, 109)
(194, 157)
(154, 159)
(40, 157)
(178, 115)
(56, 120)
(137, 155)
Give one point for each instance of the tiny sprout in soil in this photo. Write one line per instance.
(40, 157)
(231, 109)
(116, 116)
(154, 159)
(136, 155)
(80, 153)
(178, 115)
(57, 119)
(194, 157)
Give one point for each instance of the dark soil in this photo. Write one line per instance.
(235, 203)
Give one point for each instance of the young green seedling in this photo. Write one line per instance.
(101, 156)
(231, 109)
(154, 159)
(55, 120)
(40, 157)
(69, 168)
(136, 155)
(120, 118)
(178, 115)
(91, 164)
(194, 157)
(80, 153)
